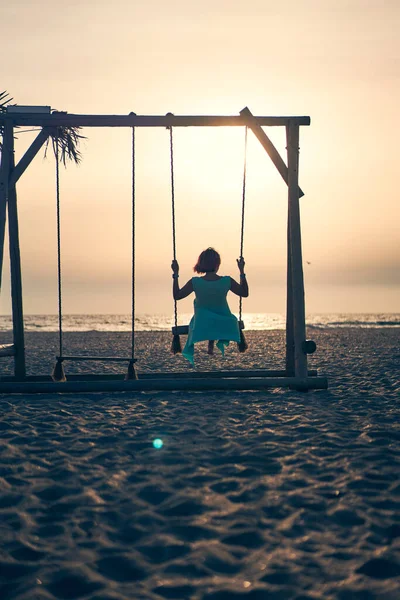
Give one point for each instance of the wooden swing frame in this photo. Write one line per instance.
(296, 374)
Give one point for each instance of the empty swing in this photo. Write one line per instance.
(58, 371)
(178, 330)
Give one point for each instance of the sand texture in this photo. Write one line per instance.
(264, 495)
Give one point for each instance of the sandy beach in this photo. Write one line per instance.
(254, 495)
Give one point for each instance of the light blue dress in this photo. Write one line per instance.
(212, 319)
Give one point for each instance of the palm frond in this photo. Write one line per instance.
(65, 141)
(4, 100)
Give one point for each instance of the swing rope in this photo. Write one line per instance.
(243, 211)
(133, 243)
(131, 374)
(58, 372)
(59, 250)
(242, 345)
(176, 346)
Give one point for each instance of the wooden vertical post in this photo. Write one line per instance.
(290, 368)
(4, 175)
(296, 261)
(16, 278)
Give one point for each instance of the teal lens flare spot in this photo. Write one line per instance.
(157, 443)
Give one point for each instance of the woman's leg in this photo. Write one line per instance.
(210, 347)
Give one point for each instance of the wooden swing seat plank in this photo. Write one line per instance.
(184, 329)
(154, 385)
(98, 358)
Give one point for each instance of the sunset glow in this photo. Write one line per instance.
(334, 61)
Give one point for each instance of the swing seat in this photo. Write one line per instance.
(58, 374)
(184, 329)
(97, 358)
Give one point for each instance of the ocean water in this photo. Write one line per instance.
(253, 321)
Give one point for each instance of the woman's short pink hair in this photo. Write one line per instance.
(208, 261)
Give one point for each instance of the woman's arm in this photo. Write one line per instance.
(180, 293)
(241, 289)
(177, 292)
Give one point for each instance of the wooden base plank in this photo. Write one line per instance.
(153, 385)
(161, 375)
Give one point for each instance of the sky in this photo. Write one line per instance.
(337, 61)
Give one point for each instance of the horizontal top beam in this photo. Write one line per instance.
(57, 119)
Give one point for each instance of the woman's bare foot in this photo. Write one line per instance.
(210, 347)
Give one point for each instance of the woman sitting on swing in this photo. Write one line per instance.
(212, 319)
